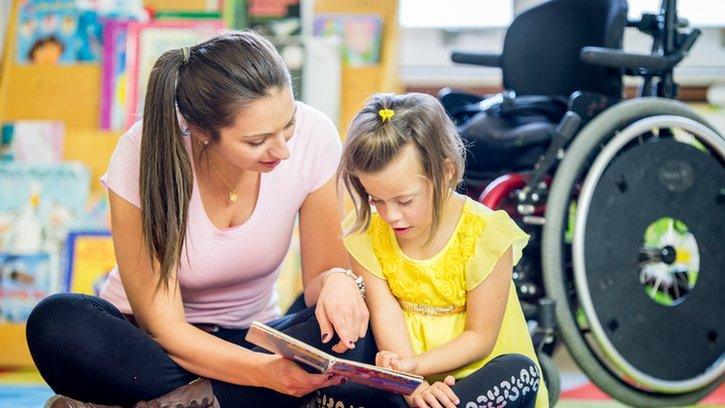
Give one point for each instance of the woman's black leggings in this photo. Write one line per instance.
(86, 349)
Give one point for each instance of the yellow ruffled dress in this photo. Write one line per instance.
(441, 282)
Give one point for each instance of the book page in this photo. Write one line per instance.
(280, 343)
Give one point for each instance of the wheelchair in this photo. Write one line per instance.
(624, 199)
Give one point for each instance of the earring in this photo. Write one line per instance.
(206, 142)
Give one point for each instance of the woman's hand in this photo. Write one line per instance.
(388, 359)
(286, 377)
(342, 310)
(438, 395)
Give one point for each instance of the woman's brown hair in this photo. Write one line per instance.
(209, 83)
(372, 143)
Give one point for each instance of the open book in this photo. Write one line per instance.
(301, 352)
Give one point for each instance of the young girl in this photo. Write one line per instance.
(437, 265)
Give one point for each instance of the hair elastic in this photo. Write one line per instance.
(386, 114)
(186, 52)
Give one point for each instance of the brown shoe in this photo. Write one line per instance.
(197, 394)
(61, 401)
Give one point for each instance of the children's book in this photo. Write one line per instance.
(51, 32)
(38, 205)
(146, 42)
(25, 279)
(88, 258)
(361, 35)
(32, 141)
(315, 359)
(113, 75)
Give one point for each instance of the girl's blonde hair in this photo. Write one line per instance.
(373, 142)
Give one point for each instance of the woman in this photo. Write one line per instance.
(203, 195)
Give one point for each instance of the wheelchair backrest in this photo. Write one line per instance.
(541, 48)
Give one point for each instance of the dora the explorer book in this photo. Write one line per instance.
(302, 353)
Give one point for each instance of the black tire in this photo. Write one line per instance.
(551, 377)
(598, 131)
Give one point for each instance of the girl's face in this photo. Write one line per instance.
(402, 195)
(258, 138)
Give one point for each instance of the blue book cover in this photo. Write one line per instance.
(39, 204)
(53, 32)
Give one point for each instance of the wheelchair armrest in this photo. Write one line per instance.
(473, 58)
(619, 59)
(552, 107)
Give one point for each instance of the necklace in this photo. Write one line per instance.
(232, 191)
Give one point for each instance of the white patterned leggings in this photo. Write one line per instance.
(508, 381)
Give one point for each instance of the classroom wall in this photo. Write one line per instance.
(425, 55)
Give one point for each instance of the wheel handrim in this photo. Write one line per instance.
(603, 346)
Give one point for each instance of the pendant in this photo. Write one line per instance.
(233, 196)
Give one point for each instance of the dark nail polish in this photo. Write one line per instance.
(325, 336)
(343, 380)
(350, 344)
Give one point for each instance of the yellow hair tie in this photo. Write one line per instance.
(386, 114)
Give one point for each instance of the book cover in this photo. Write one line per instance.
(39, 204)
(32, 141)
(53, 32)
(113, 75)
(88, 258)
(25, 279)
(146, 43)
(360, 33)
(318, 360)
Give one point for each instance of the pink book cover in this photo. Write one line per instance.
(110, 29)
(146, 43)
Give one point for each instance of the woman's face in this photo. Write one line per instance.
(258, 138)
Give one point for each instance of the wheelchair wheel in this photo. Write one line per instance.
(632, 252)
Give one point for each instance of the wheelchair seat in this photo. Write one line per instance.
(541, 68)
(505, 143)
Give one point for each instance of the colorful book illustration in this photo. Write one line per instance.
(25, 279)
(39, 204)
(146, 42)
(89, 257)
(113, 75)
(32, 141)
(361, 35)
(51, 32)
(313, 358)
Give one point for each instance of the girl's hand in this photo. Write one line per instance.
(342, 310)
(286, 377)
(388, 359)
(438, 395)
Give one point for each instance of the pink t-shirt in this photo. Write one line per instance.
(228, 278)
